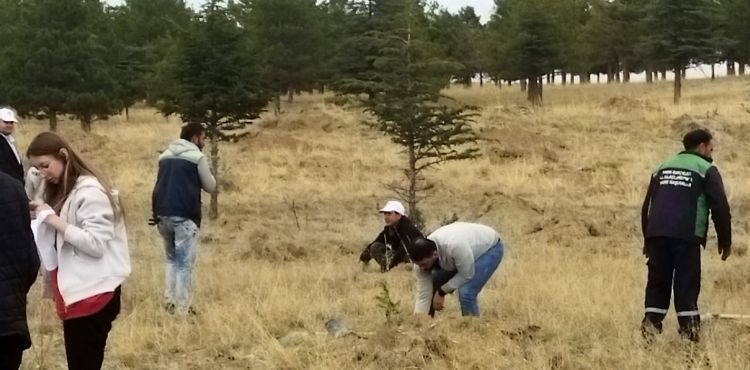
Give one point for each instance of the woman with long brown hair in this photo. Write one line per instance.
(84, 247)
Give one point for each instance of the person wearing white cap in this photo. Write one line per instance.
(10, 157)
(390, 247)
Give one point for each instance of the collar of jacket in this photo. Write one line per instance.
(707, 159)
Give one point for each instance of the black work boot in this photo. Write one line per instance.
(651, 326)
(690, 328)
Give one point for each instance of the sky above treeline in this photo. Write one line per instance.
(483, 8)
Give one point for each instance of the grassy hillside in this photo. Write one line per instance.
(563, 185)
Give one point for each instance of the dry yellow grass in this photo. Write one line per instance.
(562, 184)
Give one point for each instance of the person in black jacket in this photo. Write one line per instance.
(19, 265)
(682, 193)
(10, 157)
(389, 249)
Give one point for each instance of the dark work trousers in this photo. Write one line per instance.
(86, 337)
(673, 262)
(11, 351)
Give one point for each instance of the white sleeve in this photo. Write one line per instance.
(208, 181)
(97, 224)
(464, 260)
(424, 290)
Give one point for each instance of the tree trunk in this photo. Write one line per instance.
(677, 85)
(649, 74)
(564, 76)
(213, 212)
(625, 71)
(598, 78)
(86, 124)
(741, 69)
(481, 79)
(127, 114)
(524, 84)
(290, 95)
(52, 120)
(730, 68)
(411, 194)
(540, 90)
(277, 104)
(534, 92)
(663, 74)
(510, 82)
(322, 89)
(684, 73)
(713, 71)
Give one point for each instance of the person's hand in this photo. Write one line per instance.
(725, 252)
(38, 207)
(438, 301)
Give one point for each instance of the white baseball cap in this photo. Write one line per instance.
(394, 206)
(8, 115)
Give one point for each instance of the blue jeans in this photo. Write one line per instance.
(484, 267)
(181, 236)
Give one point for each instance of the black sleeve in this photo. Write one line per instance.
(33, 256)
(647, 205)
(365, 256)
(720, 213)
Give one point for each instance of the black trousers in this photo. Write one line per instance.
(673, 263)
(86, 337)
(11, 352)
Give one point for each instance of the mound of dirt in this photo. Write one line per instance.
(89, 143)
(623, 104)
(260, 247)
(686, 123)
(324, 117)
(508, 144)
(390, 348)
(716, 123)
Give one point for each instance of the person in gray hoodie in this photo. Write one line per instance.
(176, 206)
(459, 257)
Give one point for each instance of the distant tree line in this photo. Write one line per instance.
(225, 63)
(87, 60)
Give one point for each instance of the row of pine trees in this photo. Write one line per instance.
(223, 64)
(87, 60)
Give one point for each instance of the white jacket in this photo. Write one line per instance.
(92, 256)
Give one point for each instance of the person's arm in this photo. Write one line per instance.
(208, 181)
(647, 205)
(424, 291)
(366, 254)
(33, 262)
(97, 220)
(463, 258)
(720, 212)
